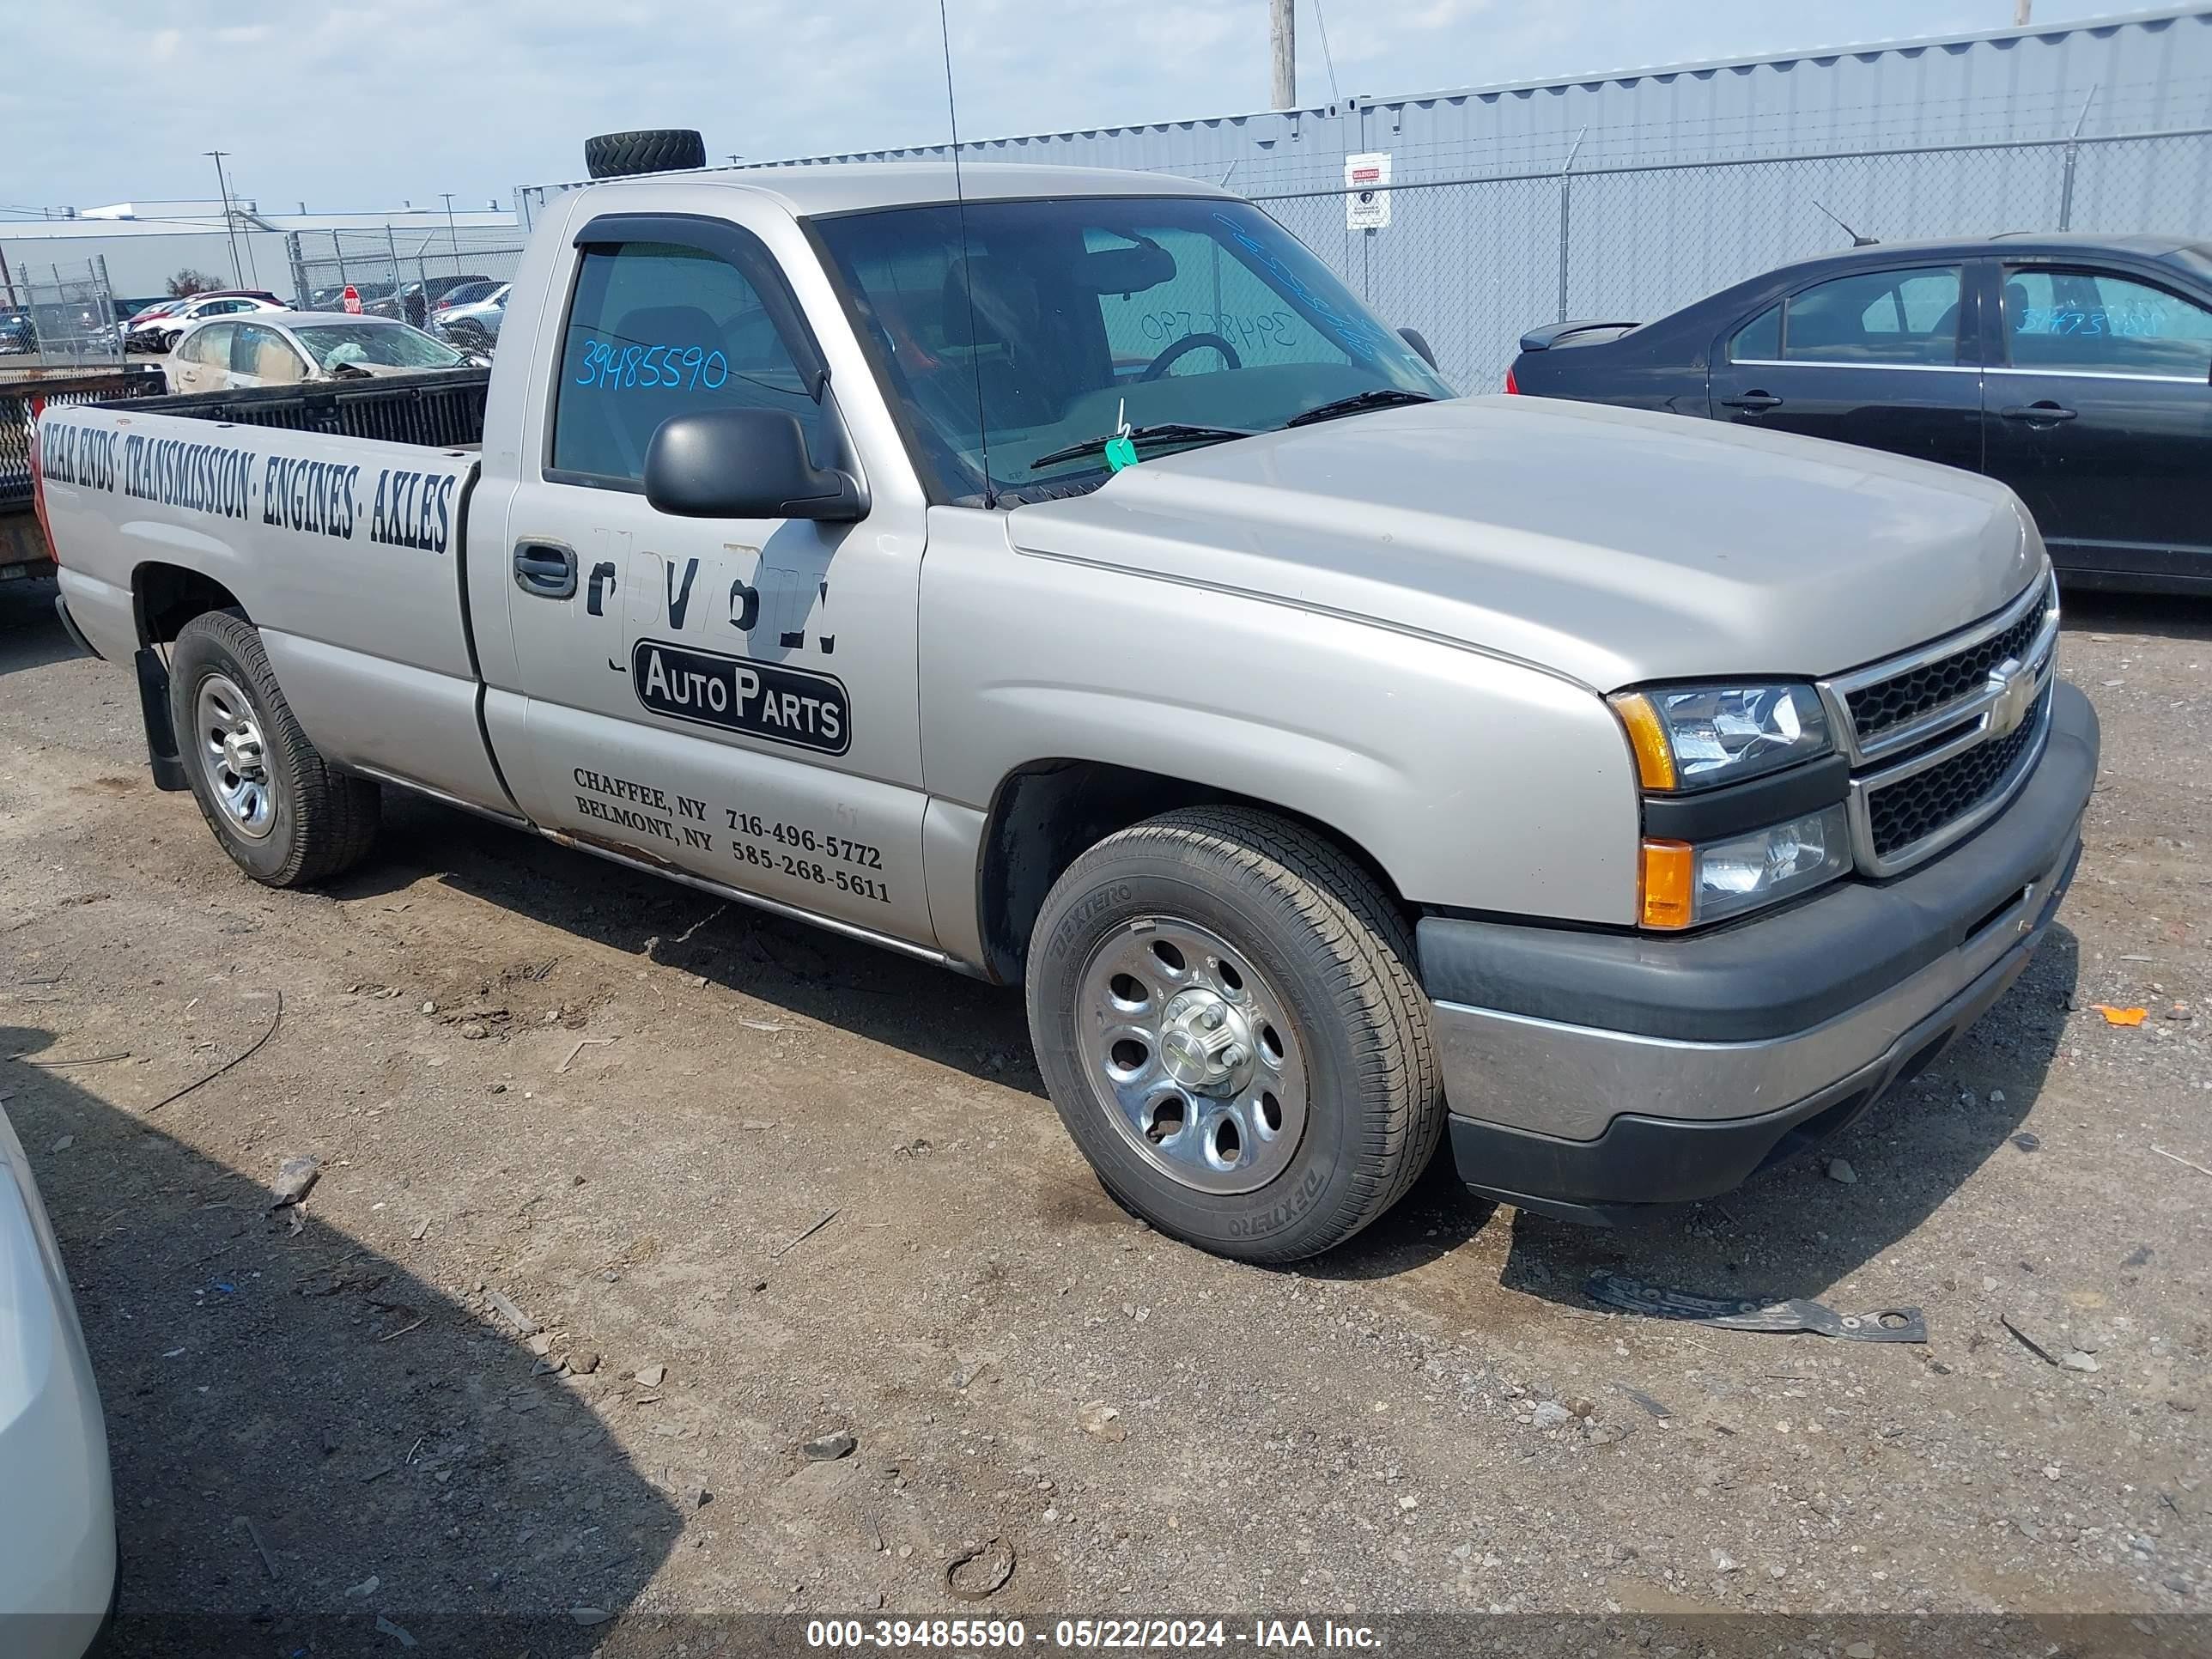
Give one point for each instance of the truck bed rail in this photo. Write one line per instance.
(441, 409)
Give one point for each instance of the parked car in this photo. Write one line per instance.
(159, 331)
(18, 335)
(58, 1519)
(289, 348)
(2076, 369)
(333, 298)
(472, 324)
(1339, 763)
(415, 299)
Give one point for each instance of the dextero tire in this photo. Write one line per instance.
(658, 149)
(278, 808)
(1226, 1015)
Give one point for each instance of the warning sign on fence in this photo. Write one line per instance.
(1367, 190)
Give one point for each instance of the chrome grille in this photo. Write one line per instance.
(1888, 704)
(1940, 737)
(1918, 807)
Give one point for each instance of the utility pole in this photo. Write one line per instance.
(229, 222)
(1283, 40)
(452, 236)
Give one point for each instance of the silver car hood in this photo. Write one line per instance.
(1608, 545)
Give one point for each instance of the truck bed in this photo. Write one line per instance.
(441, 409)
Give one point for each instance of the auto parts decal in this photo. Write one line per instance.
(796, 706)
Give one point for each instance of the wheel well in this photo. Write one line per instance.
(1046, 814)
(168, 596)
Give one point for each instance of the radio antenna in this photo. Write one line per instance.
(967, 264)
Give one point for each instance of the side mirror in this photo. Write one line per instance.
(1413, 337)
(745, 464)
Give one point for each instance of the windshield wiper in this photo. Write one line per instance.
(1381, 396)
(1166, 432)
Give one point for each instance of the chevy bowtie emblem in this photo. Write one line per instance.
(2014, 688)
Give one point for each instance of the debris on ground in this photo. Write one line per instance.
(2119, 1016)
(819, 1223)
(1102, 1422)
(388, 1628)
(829, 1448)
(652, 1375)
(980, 1570)
(1551, 1414)
(513, 1315)
(1741, 1314)
(2031, 1333)
(2178, 1159)
(1840, 1170)
(582, 1044)
(1655, 1407)
(294, 1177)
(583, 1363)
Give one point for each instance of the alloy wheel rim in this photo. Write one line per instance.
(1192, 1054)
(233, 759)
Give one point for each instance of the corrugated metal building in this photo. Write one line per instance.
(1625, 194)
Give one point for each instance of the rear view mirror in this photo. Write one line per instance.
(745, 464)
(1415, 339)
(1125, 270)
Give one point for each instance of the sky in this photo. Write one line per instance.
(371, 103)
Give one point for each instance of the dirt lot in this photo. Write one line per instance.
(759, 1186)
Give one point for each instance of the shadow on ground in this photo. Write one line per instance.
(307, 1438)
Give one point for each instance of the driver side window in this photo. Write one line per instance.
(657, 329)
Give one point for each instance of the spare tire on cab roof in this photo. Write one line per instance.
(659, 149)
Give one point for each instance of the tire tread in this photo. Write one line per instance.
(337, 815)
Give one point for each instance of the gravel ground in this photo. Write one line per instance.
(747, 1185)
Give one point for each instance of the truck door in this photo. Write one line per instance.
(631, 629)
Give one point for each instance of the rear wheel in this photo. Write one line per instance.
(1226, 1015)
(282, 812)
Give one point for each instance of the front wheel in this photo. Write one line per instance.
(1226, 1015)
(284, 815)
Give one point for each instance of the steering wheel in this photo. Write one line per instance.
(1161, 364)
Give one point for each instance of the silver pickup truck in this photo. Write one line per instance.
(1060, 576)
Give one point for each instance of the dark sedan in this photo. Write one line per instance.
(2076, 369)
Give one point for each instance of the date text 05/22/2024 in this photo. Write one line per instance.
(1093, 1635)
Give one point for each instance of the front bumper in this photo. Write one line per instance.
(1586, 1072)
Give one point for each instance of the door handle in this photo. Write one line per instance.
(1756, 401)
(2044, 411)
(547, 571)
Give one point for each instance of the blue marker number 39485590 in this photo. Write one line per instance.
(612, 366)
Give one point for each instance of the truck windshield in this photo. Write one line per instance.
(1053, 321)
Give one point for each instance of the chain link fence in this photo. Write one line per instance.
(405, 274)
(59, 316)
(1474, 263)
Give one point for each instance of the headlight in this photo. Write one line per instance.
(1685, 885)
(1699, 736)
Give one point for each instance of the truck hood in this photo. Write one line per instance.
(1608, 545)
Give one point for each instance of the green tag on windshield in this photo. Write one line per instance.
(1121, 452)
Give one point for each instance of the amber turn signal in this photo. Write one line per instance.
(1655, 755)
(1666, 885)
